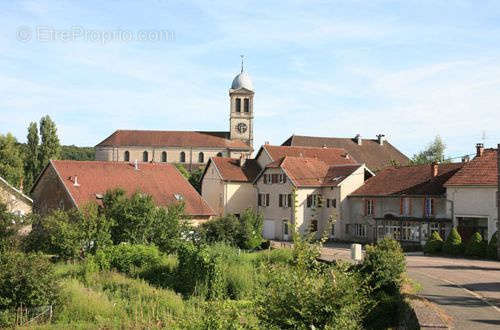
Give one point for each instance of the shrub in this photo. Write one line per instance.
(476, 247)
(9, 224)
(384, 264)
(27, 280)
(492, 249)
(128, 258)
(298, 298)
(453, 244)
(434, 245)
(250, 232)
(224, 229)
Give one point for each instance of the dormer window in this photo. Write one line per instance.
(182, 157)
(179, 197)
(164, 157)
(126, 156)
(145, 156)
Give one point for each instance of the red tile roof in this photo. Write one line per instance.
(370, 152)
(481, 171)
(123, 138)
(408, 180)
(312, 172)
(230, 169)
(330, 156)
(161, 181)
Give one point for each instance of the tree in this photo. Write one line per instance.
(195, 178)
(50, 147)
(11, 162)
(476, 247)
(433, 153)
(251, 226)
(31, 165)
(434, 244)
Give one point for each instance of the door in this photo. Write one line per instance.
(286, 234)
(269, 229)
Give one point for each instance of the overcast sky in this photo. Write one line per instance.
(408, 69)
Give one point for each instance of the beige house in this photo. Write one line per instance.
(189, 148)
(406, 203)
(227, 185)
(473, 192)
(308, 192)
(17, 202)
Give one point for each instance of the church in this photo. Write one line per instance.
(192, 149)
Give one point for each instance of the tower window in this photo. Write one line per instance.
(126, 156)
(145, 156)
(164, 156)
(182, 157)
(201, 157)
(246, 105)
(238, 105)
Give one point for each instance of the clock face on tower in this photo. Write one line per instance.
(241, 127)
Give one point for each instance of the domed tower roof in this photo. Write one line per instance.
(242, 80)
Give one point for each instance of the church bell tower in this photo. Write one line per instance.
(241, 107)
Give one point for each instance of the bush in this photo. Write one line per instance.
(27, 280)
(384, 264)
(453, 244)
(298, 298)
(492, 249)
(69, 234)
(128, 258)
(245, 232)
(434, 244)
(476, 247)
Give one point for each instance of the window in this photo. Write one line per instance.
(263, 200)
(285, 200)
(182, 157)
(405, 206)
(164, 156)
(145, 156)
(274, 178)
(126, 156)
(359, 230)
(282, 178)
(314, 226)
(429, 207)
(246, 105)
(268, 178)
(285, 227)
(219, 154)
(178, 197)
(238, 105)
(369, 207)
(312, 200)
(201, 157)
(331, 203)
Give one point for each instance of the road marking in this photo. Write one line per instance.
(478, 296)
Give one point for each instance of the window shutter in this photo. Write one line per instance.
(401, 205)
(410, 206)
(308, 200)
(289, 200)
(284, 178)
(366, 207)
(432, 206)
(424, 207)
(373, 207)
(265, 178)
(328, 202)
(281, 200)
(334, 203)
(259, 199)
(267, 199)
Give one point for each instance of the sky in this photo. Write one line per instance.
(408, 69)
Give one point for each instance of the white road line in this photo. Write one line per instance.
(478, 296)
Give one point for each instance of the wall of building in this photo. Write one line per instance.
(263, 159)
(212, 190)
(475, 202)
(15, 202)
(50, 193)
(239, 196)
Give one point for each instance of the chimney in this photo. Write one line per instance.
(358, 139)
(266, 142)
(380, 139)
(136, 165)
(479, 149)
(75, 182)
(434, 169)
(243, 160)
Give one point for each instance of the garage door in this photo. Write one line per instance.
(269, 229)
